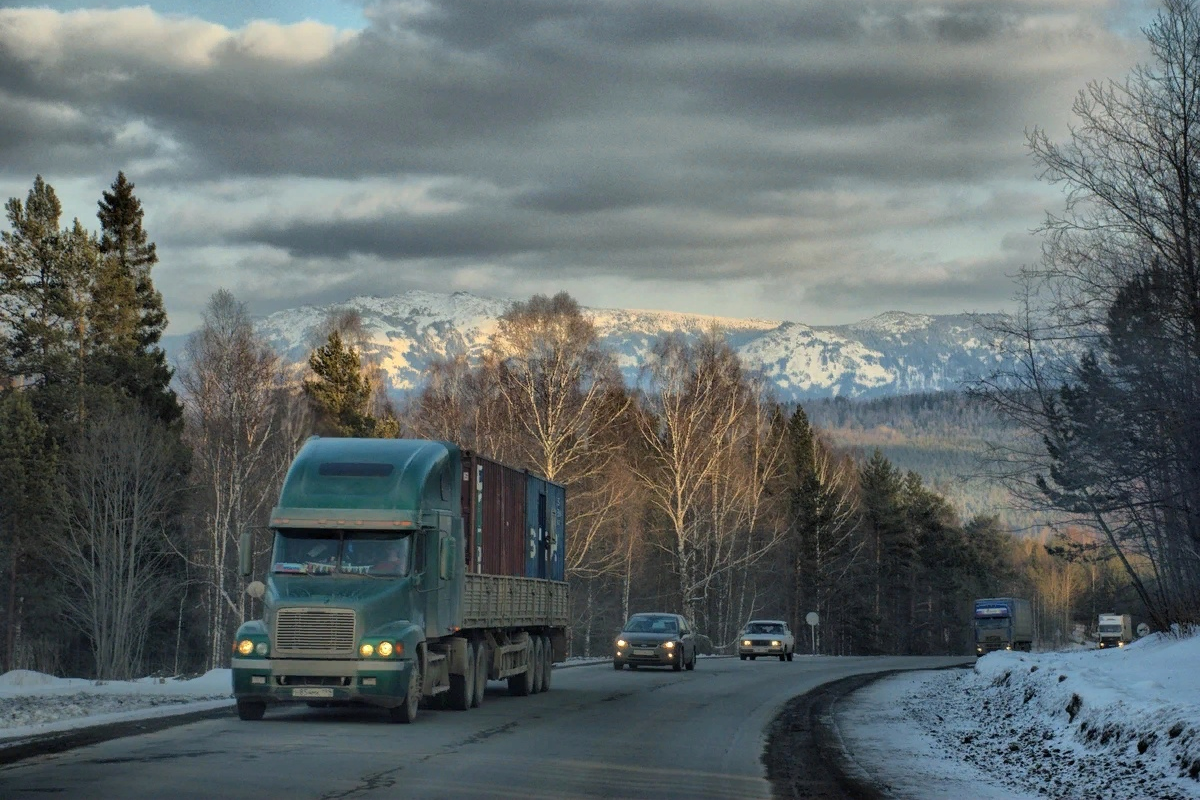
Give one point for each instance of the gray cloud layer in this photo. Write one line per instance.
(812, 161)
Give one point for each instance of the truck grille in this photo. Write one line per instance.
(315, 632)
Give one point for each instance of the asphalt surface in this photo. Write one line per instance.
(804, 755)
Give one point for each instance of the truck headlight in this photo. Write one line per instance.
(261, 648)
(245, 647)
(366, 649)
(385, 649)
(621, 643)
(669, 645)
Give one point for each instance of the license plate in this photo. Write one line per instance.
(638, 651)
(762, 649)
(312, 691)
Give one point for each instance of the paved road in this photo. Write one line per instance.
(597, 733)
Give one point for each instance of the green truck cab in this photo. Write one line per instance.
(367, 598)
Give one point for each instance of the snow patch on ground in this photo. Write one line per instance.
(1110, 724)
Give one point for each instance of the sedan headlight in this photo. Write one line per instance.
(622, 643)
(746, 642)
(669, 645)
(775, 644)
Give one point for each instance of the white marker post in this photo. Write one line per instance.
(811, 618)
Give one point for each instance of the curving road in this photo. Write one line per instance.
(597, 733)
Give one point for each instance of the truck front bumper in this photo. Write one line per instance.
(371, 681)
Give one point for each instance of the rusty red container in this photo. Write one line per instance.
(494, 516)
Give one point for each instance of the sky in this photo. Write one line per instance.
(922, 734)
(806, 161)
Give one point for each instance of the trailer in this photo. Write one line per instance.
(404, 574)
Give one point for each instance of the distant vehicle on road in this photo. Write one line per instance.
(1003, 623)
(1114, 630)
(766, 637)
(655, 640)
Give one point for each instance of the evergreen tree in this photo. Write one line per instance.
(128, 313)
(47, 277)
(341, 393)
(27, 489)
(891, 553)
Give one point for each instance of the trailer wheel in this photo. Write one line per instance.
(548, 659)
(521, 685)
(481, 674)
(251, 710)
(539, 667)
(462, 687)
(406, 712)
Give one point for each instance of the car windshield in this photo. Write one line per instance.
(765, 627)
(338, 552)
(652, 625)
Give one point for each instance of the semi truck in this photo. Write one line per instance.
(1114, 630)
(403, 574)
(1003, 623)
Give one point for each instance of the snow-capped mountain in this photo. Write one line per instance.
(894, 353)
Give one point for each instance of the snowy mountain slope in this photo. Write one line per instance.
(894, 353)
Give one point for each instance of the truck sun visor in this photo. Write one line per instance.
(355, 469)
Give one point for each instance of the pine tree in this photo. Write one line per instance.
(27, 468)
(129, 317)
(340, 393)
(46, 276)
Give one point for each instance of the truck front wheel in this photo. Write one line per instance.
(251, 710)
(406, 712)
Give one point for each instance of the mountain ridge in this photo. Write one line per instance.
(889, 354)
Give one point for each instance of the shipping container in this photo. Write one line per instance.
(494, 513)
(545, 527)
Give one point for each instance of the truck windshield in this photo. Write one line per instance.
(1111, 629)
(992, 624)
(339, 552)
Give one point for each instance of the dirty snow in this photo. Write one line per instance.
(1088, 724)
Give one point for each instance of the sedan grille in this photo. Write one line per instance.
(315, 632)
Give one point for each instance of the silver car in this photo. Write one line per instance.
(655, 640)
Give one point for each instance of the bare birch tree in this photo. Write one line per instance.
(122, 487)
(698, 413)
(233, 384)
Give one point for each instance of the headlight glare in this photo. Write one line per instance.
(385, 649)
(245, 647)
(622, 643)
(746, 642)
(775, 644)
(366, 649)
(669, 645)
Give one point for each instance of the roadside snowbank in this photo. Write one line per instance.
(1093, 724)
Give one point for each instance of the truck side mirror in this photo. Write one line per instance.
(245, 551)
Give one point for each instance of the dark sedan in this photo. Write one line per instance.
(655, 640)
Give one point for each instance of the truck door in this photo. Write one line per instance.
(542, 539)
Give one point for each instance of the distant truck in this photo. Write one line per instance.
(1003, 623)
(404, 574)
(1114, 630)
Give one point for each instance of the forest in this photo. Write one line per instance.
(126, 482)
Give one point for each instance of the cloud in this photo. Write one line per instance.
(754, 143)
